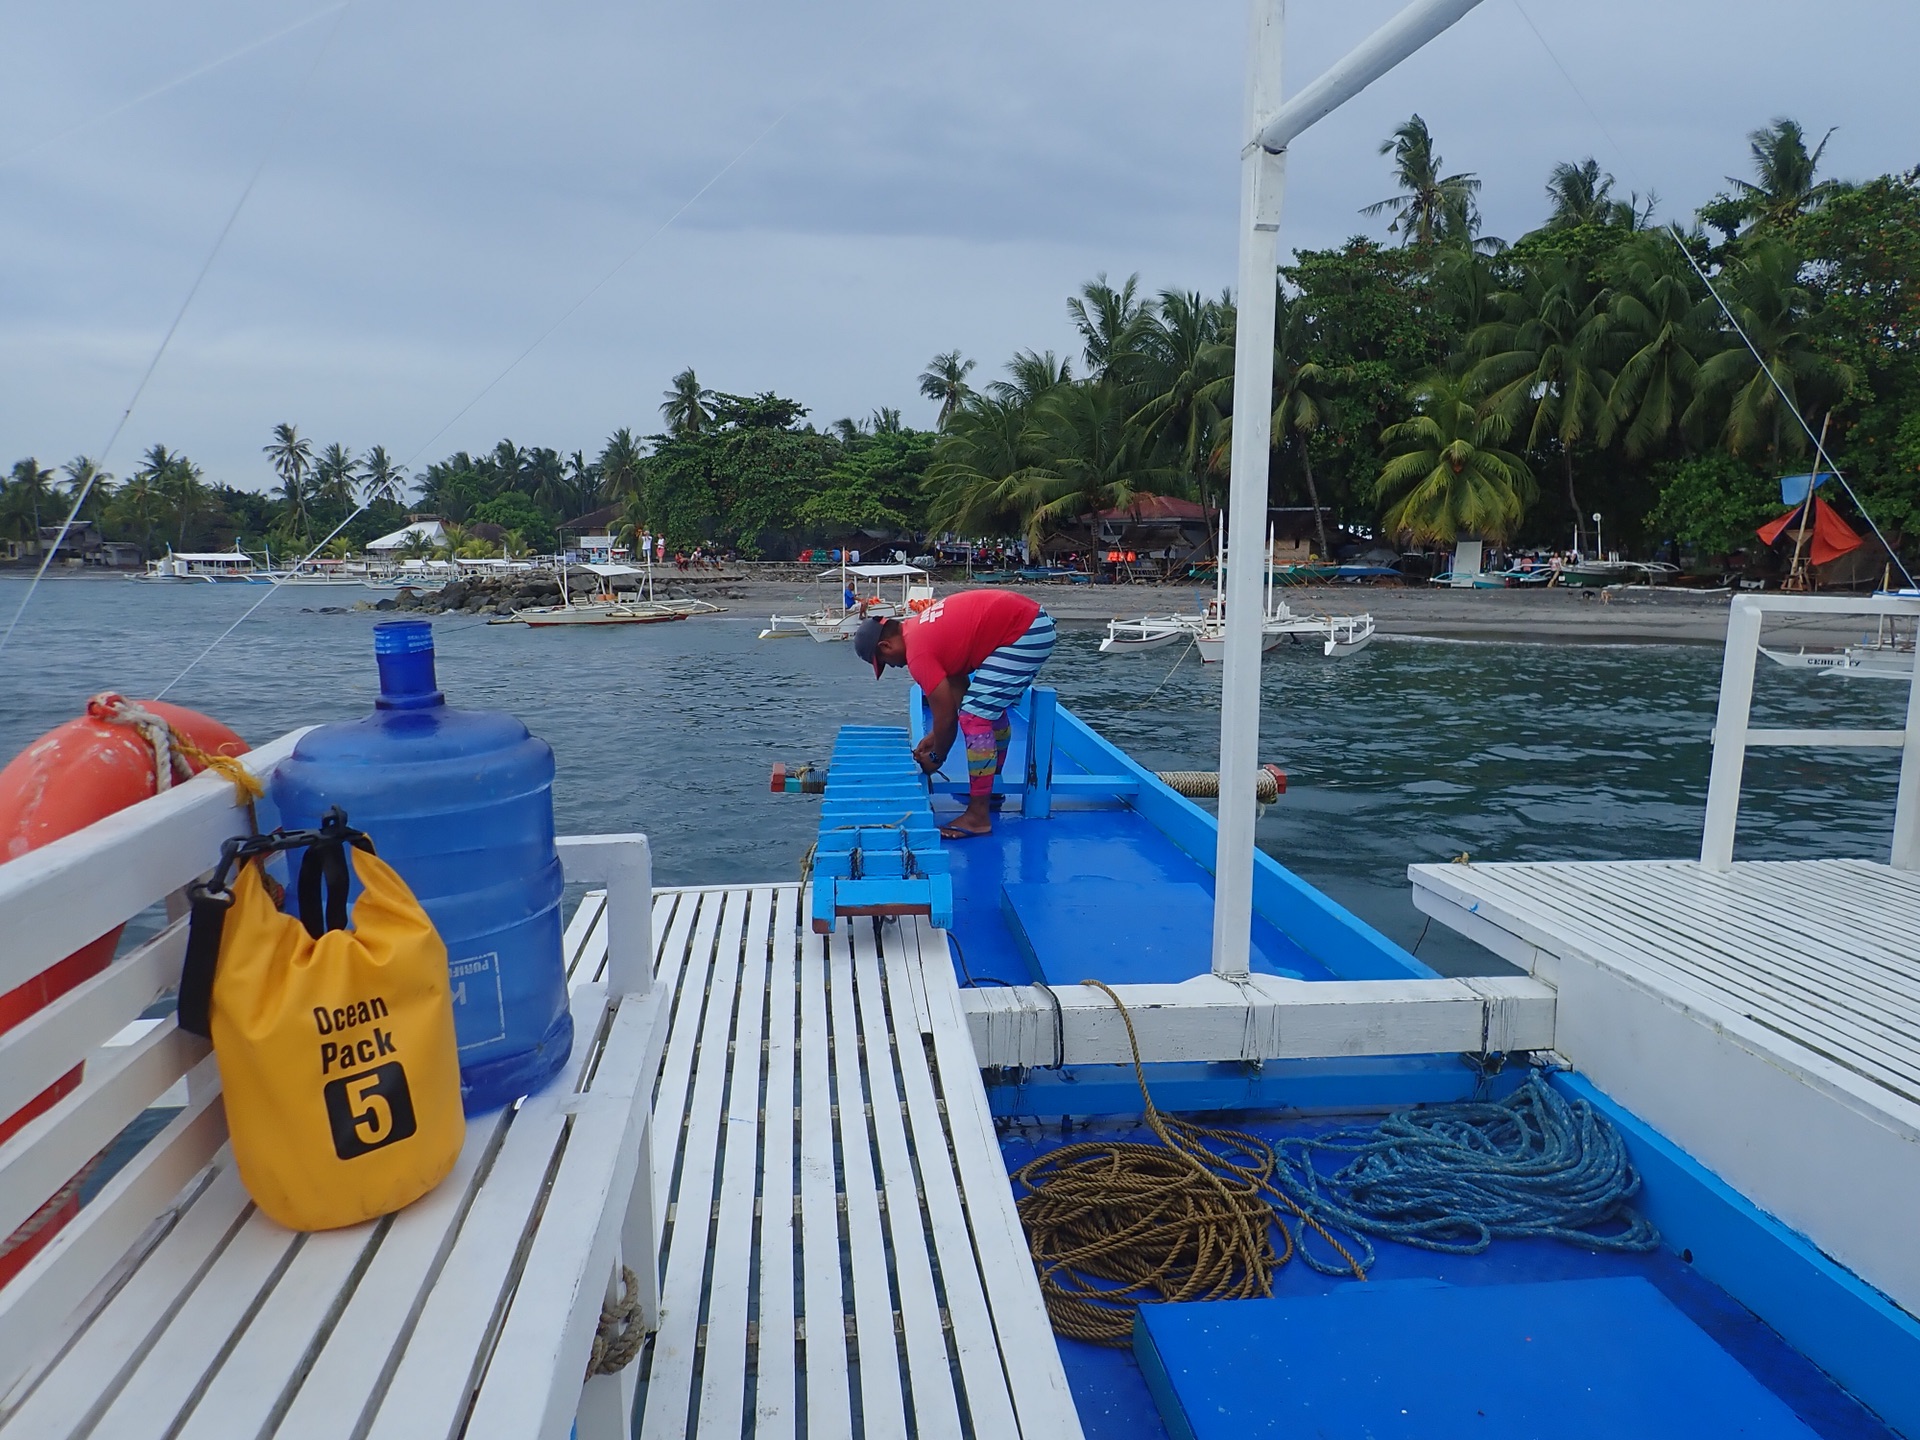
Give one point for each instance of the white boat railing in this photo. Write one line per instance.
(1732, 734)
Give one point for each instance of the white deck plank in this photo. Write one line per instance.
(352, 1369)
(577, 947)
(989, 1405)
(1035, 1375)
(928, 1367)
(168, 1377)
(89, 1376)
(433, 1379)
(823, 1304)
(724, 1373)
(775, 1401)
(1618, 909)
(670, 1381)
(690, 946)
(252, 1382)
(882, 1402)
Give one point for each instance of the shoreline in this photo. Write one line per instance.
(1620, 616)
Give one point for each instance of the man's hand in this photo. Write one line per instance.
(924, 757)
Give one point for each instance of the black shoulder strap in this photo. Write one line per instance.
(322, 898)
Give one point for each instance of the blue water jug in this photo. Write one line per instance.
(460, 802)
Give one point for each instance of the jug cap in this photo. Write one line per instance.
(403, 649)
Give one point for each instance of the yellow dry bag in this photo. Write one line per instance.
(336, 1049)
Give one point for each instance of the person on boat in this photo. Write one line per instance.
(974, 654)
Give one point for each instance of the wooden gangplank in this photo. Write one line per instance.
(1766, 1017)
(841, 1254)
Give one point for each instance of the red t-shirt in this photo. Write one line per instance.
(952, 636)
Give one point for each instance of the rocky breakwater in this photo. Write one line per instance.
(489, 595)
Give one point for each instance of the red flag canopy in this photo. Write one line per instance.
(1831, 537)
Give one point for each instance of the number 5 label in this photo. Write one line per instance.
(369, 1110)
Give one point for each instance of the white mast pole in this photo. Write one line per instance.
(1262, 176)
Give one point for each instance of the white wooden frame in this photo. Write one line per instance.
(598, 1187)
(1264, 1017)
(1732, 734)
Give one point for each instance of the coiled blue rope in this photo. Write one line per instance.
(1453, 1177)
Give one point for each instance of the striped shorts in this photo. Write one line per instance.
(1003, 677)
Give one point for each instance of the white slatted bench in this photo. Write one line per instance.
(171, 1307)
(842, 1254)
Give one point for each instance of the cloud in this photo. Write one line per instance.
(449, 179)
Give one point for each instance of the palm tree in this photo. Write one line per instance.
(985, 448)
(335, 476)
(1446, 475)
(1784, 171)
(1779, 316)
(1431, 206)
(686, 409)
(1582, 194)
(174, 481)
(621, 462)
(1186, 367)
(1655, 318)
(292, 458)
(31, 487)
(1088, 458)
(381, 478)
(945, 380)
(1033, 374)
(583, 489)
(1114, 327)
(86, 479)
(1544, 362)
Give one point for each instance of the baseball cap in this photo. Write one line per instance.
(866, 642)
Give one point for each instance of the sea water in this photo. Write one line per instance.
(1411, 751)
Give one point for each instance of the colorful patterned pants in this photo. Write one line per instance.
(987, 742)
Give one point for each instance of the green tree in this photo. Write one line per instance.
(1544, 364)
(1714, 503)
(1116, 328)
(1582, 194)
(1088, 458)
(381, 478)
(517, 512)
(975, 468)
(1784, 184)
(875, 484)
(29, 492)
(1430, 206)
(621, 462)
(945, 380)
(292, 458)
(333, 490)
(1031, 374)
(1185, 354)
(1658, 322)
(1779, 314)
(1446, 473)
(685, 407)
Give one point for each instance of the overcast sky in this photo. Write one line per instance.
(440, 182)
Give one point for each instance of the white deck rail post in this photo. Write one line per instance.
(1906, 803)
(1730, 734)
(1273, 127)
(624, 863)
(1262, 176)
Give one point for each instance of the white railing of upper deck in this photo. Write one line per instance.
(1732, 734)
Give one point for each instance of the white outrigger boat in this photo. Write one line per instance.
(606, 607)
(862, 595)
(1885, 655)
(1207, 630)
(219, 567)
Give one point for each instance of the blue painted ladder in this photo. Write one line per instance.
(879, 849)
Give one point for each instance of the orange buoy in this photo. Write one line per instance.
(75, 774)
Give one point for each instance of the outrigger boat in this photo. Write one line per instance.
(219, 567)
(606, 607)
(862, 594)
(1887, 654)
(1207, 630)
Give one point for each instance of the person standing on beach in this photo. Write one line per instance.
(974, 654)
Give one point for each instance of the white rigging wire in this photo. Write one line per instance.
(219, 242)
(1823, 464)
(207, 68)
(541, 339)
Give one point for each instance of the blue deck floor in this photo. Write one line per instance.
(1115, 1403)
(1117, 890)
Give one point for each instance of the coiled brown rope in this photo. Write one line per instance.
(1191, 1218)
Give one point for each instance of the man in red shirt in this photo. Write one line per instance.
(974, 654)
